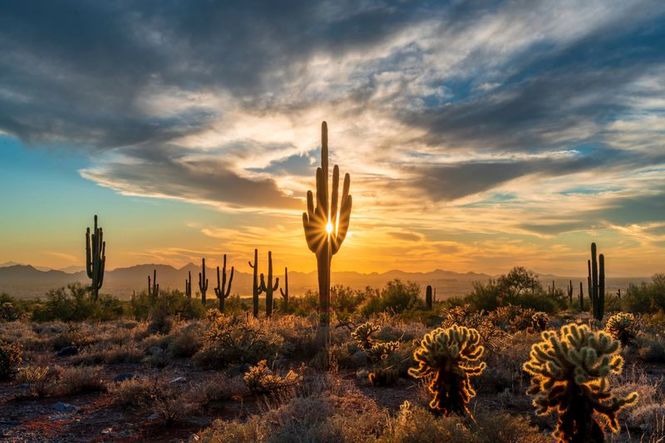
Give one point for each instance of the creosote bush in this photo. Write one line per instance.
(623, 327)
(570, 372)
(447, 358)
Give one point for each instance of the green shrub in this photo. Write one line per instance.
(647, 297)
(395, 297)
(74, 303)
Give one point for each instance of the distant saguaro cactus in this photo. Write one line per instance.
(203, 281)
(597, 284)
(570, 372)
(447, 358)
(188, 285)
(285, 291)
(153, 287)
(581, 297)
(326, 229)
(222, 291)
(570, 292)
(267, 286)
(429, 297)
(95, 258)
(256, 287)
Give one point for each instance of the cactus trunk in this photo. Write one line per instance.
(581, 297)
(153, 287)
(256, 288)
(285, 291)
(428, 297)
(267, 286)
(188, 285)
(95, 258)
(203, 282)
(597, 284)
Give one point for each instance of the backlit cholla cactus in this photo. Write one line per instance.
(448, 358)
(623, 327)
(375, 350)
(569, 375)
(539, 321)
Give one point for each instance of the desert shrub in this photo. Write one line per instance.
(345, 300)
(382, 372)
(74, 303)
(77, 380)
(447, 359)
(647, 297)
(168, 400)
(395, 297)
(10, 309)
(511, 318)
(492, 337)
(623, 327)
(231, 340)
(169, 304)
(651, 349)
(260, 379)
(569, 375)
(11, 356)
(215, 389)
(134, 393)
(186, 341)
(37, 378)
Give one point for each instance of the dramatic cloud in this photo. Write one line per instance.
(545, 117)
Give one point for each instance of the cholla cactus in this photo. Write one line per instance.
(539, 321)
(448, 358)
(623, 327)
(11, 356)
(363, 334)
(569, 374)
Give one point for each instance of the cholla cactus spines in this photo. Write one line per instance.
(188, 285)
(569, 375)
(326, 227)
(203, 281)
(222, 291)
(539, 321)
(381, 350)
(623, 327)
(363, 334)
(153, 286)
(268, 287)
(95, 258)
(448, 358)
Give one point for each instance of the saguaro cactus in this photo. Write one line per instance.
(570, 292)
(285, 291)
(581, 297)
(222, 291)
(188, 285)
(429, 297)
(256, 287)
(153, 287)
(95, 258)
(203, 281)
(597, 284)
(326, 228)
(570, 372)
(268, 287)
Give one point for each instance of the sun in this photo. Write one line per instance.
(329, 228)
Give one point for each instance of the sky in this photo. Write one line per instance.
(478, 135)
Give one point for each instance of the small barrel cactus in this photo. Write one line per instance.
(623, 327)
(448, 358)
(569, 374)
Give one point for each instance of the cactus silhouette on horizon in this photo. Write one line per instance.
(153, 286)
(203, 282)
(95, 258)
(267, 286)
(188, 285)
(429, 298)
(326, 226)
(223, 290)
(597, 279)
(256, 287)
(285, 292)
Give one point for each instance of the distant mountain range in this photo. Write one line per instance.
(26, 281)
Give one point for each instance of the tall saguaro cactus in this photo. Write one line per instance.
(570, 292)
(153, 287)
(581, 297)
(597, 278)
(256, 287)
(203, 281)
(268, 287)
(222, 291)
(188, 285)
(326, 226)
(95, 258)
(429, 297)
(285, 291)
